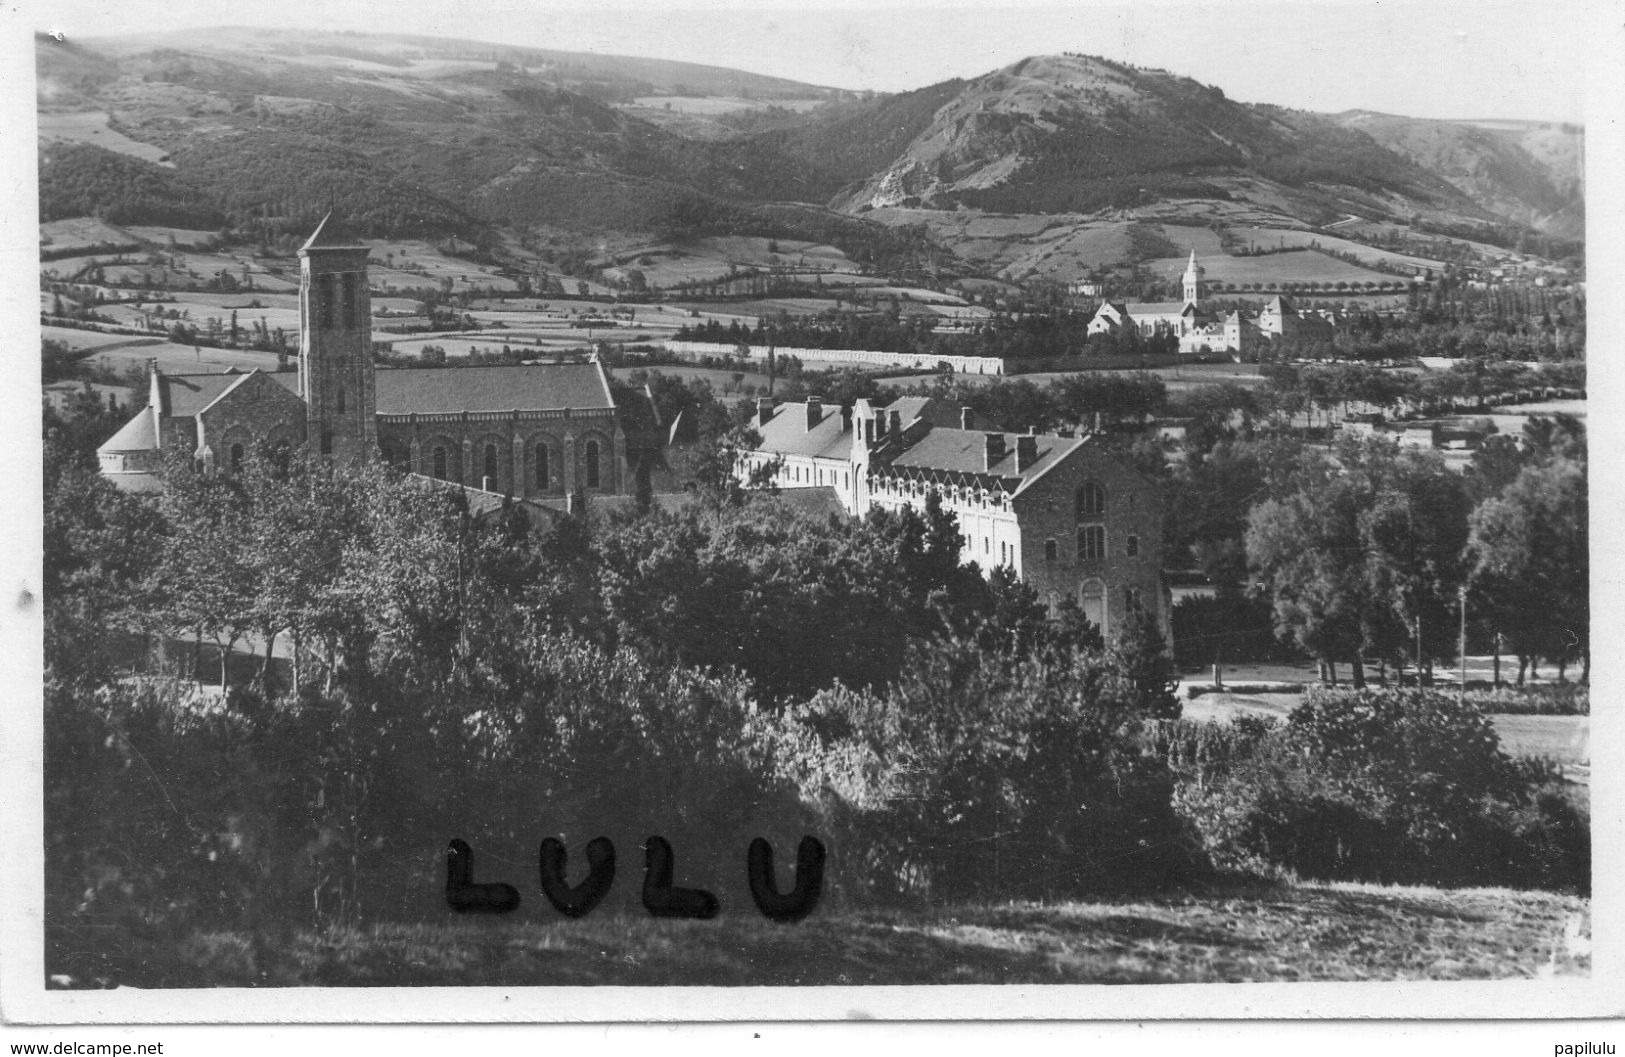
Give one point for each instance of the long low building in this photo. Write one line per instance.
(918, 361)
(1065, 514)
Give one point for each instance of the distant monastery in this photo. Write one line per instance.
(1201, 331)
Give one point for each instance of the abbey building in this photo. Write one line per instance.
(1066, 516)
(537, 431)
(1201, 331)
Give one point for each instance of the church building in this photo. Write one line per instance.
(538, 431)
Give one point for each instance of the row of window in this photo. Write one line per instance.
(797, 474)
(447, 464)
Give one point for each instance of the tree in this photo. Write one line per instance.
(1359, 553)
(1529, 551)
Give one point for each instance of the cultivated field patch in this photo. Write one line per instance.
(91, 127)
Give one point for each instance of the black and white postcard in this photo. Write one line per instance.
(800, 512)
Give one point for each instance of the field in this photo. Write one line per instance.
(91, 127)
(1070, 246)
(81, 233)
(711, 105)
(1268, 237)
(1342, 932)
(1293, 267)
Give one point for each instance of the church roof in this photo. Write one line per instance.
(137, 435)
(1157, 308)
(187, 394)
(330, 234)
(509, 387)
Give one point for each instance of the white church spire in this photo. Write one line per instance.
(1193, 280)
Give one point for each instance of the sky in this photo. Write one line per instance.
(1423, 58)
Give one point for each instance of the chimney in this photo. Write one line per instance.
(155, 392)
(815, 411)
(1026, 452)
(896, 418)
(880, 426)
(764, 410)
(967, 418)
(846, 418)
(485, 484)
(994, 450)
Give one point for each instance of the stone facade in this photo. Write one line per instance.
(256, 413)
(1110, 573)
(531, 454)
(335, 348)
(1068, 517)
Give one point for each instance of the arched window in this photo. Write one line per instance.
(341, 399)
(542, 475)
(490, 467)
(592, 464)
(327, 442)
(1131, 599)
(236, 458)
(1131, 546)
(1091, 543)
(1093, 599)
(440, 462)
(1091, 500)
(1050, 551)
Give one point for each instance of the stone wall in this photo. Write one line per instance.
(258, 413)
(409, 441)
(1133, 508)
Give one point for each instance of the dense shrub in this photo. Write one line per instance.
(980, 773)
(165, 816)
(1398, 786)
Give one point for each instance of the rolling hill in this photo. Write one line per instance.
(261, 131)
(1530, 173)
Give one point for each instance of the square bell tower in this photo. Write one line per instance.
(335, 346)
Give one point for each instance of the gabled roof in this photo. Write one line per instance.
(187, 394)
(964, 451)
(1159, 308)
(241, 379)
(521, 387)
(786, 433)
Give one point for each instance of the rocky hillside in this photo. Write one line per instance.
(263, 131)
(1530, 173)
(1071, 133)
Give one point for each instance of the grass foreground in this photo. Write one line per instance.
(1305, 931)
